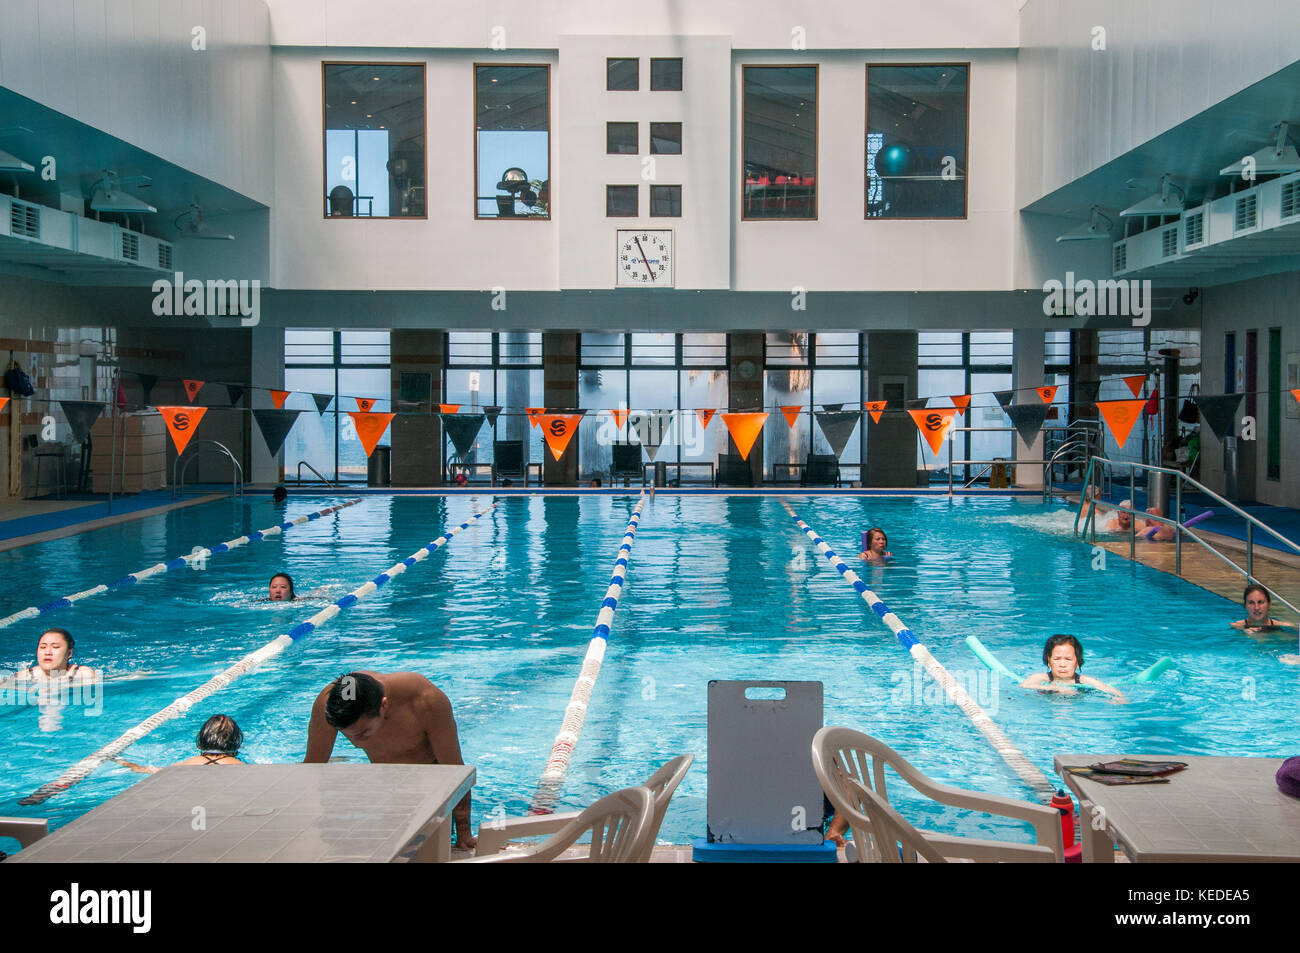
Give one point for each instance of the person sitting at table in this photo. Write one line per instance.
(395, 718)
(1063, 656)
(1258, 605)
(219, 742)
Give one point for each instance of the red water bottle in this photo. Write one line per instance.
(1062, 802)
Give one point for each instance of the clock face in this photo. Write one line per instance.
(644, 258)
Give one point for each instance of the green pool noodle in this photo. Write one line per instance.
(991, 660)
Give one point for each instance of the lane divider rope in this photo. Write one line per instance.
(1013, 756)
(85, 766)
(557, 764)
(198, 555)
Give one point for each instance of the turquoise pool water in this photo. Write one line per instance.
(719, 587)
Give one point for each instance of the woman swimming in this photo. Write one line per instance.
(1258, 604)
(54, 659)
(281, 588)
(1063, 656)
(219, 742)
(875, 552)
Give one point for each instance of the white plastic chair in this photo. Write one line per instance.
(619, 824)
(493, 834)
(841, 756)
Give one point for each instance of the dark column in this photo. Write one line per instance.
(891, 444)
(417, 431)
(745, 387)
(560, 392)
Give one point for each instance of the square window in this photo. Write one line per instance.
(512, 145)
(621, 138)
(780, 170)
(620, 201)
(666, 74)
(665, 201)
(666, 138)
(622, 74)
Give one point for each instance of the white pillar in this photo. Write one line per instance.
(1027, 371)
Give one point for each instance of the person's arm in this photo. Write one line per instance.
(1238, 625)
(320, 734)
(1033, 681)
(440, 727)
(137, 768)
(1102, 686)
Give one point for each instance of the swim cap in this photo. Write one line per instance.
(1288, 777)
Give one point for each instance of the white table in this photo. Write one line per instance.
(258, 813)
(1217, 809)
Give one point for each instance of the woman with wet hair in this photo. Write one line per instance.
(1258, 605)
(219, 742)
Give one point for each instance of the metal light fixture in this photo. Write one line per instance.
(191, 225)
(1277, 159)
(106, 195)
(1092, 229)
(1168, 201)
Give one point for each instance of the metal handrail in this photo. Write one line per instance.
(304, 463)
(1049, 479)
(1180, 478)
(236, 478)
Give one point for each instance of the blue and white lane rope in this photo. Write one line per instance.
(557, 765)
(82, 769)
(198, 555)
(1003, 745)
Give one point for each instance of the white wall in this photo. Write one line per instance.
(127, 67)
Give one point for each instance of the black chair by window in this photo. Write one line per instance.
(508, 461)
(627, 463)
(733, 471)
(821, 469)
(342, 201)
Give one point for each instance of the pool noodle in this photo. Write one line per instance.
(1147, 534)
(1152, 673)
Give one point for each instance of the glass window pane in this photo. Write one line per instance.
(469, 347)
(512, 122)
(655, 390)
(309, 347)
(374, 140)
(990, 347)
(837, 347)
(518, 388)
(938, 347)
(780, 148)
(312, 437)
(1056, 348)
(916, 141)
(783, 444)
(666, 201)
(838, 387)
(363, 347)
(600, 390)
(787, 347)
(603, 349)
(622, 74)
(701, 390)
(985, 412)
(666, 74)
(704, 349)
(654, 349)
(666, 138)
(521, 347)
(621, 138)
(356, 382)
(620, 201)
(473, 389)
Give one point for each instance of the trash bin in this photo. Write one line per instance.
(379, 467)
(661, 473)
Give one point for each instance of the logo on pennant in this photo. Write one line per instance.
(278, 397)
(192, 388)
(370, 427)
(791, 413)
(934, 422)
(181, 423)
(1135, 384)
(744, 429)
(876, 408)
(705, 416)
(961, 402)
(1120, 416)
(364, 404)
(449, 408)
(533, 413)
(1047, 393)
(558, 429)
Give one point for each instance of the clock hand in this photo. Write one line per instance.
(644, 258)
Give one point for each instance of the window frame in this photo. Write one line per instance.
(681, 137)
(623, 185)
(624, 59)
(681, 73)
(550, 156)
(817, 118)
(636, 137)
(656, 185)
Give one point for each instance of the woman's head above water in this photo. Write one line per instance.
(281, 587)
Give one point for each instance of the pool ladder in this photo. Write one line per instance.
(236, 478)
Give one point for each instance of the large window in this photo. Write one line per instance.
(809, 371)
(512, 141)
(495, 369)
(780, 142)
(374, 140)
(978, 363)
(916, 141)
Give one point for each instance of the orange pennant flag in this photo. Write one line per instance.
(1047, 393)
(876, 407)
(705, 416)
(192, 388)
(370, 427)
(744, 429)
(934, 422)
(1120, 416)
(961, 402)
(791, 413)
(620, 416)
(3, 401)
(1295, 393)
(364, 404)
(1135, 383)
(181, 423)
(449, 408)
(558, 429)
(278, 397)
(532, 414)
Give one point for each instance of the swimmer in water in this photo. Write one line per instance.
(1122, 520)
(1063, 656)
(1163, 531)
(219, 742)
(875, 552)
(1258, 604)
(54, 660)
(279, 494)
(281, 588)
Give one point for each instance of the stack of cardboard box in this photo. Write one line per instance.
(140, 460)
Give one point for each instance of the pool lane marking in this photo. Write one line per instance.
(83, 768)
(63, 602)
(557, 764)
(1004, 746)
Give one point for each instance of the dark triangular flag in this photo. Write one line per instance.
(1219, 411)
(917, 403)
(146, 387)
(833, 407)
(651, 428)
(462, 429)
(492, 414)
(1028, 419)
(322, 401)
(1088, 391)
(275, 426)
(81, 415)
(837, 426)
(1004, 398)
(236, 393)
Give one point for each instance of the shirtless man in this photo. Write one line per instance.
(1122, 520)
(395, 718)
